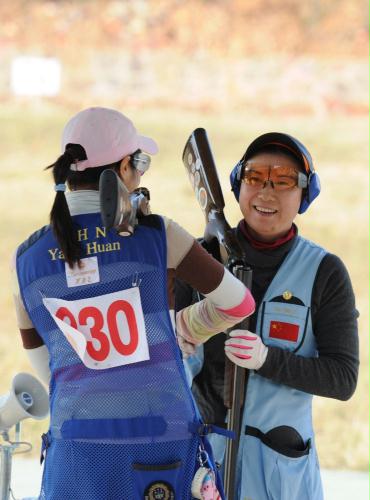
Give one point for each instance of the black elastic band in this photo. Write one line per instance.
(157, 467)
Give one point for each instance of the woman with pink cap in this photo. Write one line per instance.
(95, 312)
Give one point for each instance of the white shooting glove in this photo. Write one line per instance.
(246, 349)
(187, 348)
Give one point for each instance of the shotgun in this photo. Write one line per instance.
(120, 209)
(223, 244)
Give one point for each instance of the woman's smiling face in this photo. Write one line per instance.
(269, 213)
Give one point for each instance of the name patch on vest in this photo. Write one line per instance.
(84, 274)
(90, 247)
(105, 331)
(284, 331)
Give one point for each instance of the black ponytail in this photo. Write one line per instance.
(65, 230)
(61, 221)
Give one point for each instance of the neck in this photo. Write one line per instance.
(83, 201)
(255, 243)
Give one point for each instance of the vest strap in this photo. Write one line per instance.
(45, 443)
(205, 429)
(117, 428)
(279, 448)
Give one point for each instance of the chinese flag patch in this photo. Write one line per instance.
(284, 331)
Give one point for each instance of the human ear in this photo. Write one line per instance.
(124, 168)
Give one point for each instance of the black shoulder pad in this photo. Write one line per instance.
(32, 239)
(151, 220)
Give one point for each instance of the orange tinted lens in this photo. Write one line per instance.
(283, 177)
(255, 177)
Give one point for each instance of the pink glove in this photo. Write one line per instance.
(246, 349)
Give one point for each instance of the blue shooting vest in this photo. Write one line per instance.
(125, 433)
(267, 470)
(272, 471)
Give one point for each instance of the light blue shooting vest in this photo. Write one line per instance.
(129, 432)
(268, 470)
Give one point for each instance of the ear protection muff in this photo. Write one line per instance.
(312, 192)
(314, 187)
(235, 178)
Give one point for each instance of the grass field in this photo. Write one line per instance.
(337, 220)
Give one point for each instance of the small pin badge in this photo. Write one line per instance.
(136, 280)
(287, 295)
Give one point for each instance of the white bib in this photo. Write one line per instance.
(105, 331)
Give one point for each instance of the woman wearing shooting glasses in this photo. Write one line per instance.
(93, 311)
(302, 340)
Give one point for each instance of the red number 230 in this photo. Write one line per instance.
(104, 339)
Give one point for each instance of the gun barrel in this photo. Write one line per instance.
(234, 395)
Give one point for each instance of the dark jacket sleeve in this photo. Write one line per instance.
(184, 295)
(334, 372)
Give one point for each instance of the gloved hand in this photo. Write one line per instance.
(185, 340)
(187, 348)
(246, 349)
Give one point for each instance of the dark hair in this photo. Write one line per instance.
(65, 230)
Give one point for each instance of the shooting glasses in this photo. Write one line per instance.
(281, 177)
(140, 161)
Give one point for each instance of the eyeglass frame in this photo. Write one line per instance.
(301, 182)
(139, 158)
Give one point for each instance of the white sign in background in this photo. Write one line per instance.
(35, 76)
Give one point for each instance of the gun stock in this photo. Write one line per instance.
(120, 209)
(201, 168)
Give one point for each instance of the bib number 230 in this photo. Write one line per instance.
(105, 331)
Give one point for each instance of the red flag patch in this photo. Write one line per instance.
(284, 331)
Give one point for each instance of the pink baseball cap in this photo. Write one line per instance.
(106, 135)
